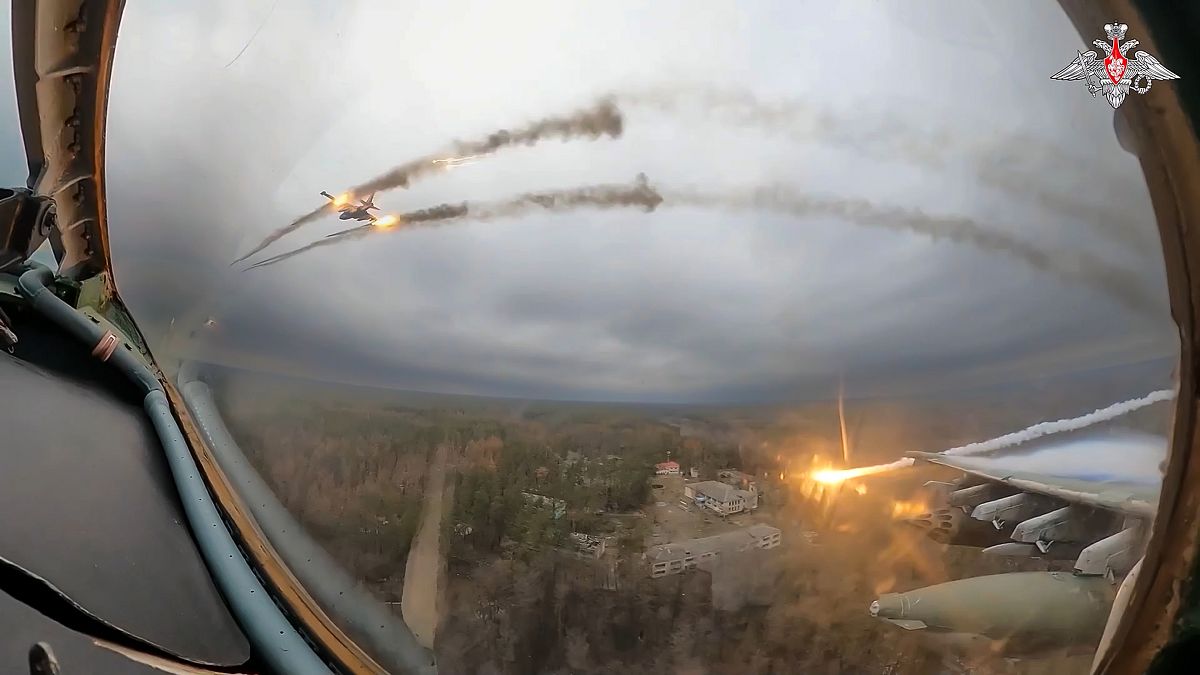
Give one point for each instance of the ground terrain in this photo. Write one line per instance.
(399, 485)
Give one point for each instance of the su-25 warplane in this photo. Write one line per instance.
(349, 210)
(1089, 498)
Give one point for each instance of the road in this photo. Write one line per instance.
(424, 576)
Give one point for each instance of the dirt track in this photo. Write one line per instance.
(425, 572)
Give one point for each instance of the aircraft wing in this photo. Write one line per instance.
(1087, 498)
(1118, 472)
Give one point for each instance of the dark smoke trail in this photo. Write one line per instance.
(286, 230)
(345, 235)
(640, 194)
(441, 212)
(1011, 163)
(1072, 266)
(594, 196)
(600, 119)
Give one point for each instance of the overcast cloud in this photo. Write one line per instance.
(930, 106)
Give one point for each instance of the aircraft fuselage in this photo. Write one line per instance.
(354, 214)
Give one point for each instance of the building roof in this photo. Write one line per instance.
(736, 540)
(761, 530)
(667, 465)
(721, 492)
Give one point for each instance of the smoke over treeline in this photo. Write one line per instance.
(1018, 164)
(1072, 266)
(600, 119)
(602, 196)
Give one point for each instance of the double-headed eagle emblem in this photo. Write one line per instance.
(1111, 72)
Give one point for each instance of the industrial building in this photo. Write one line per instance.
(675, 557)
(721, 498)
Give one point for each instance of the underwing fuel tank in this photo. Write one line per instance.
(1026, 610)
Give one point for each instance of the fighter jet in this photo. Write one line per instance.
(1089, 499)
(348, 210)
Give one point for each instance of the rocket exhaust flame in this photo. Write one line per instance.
(385, 222)
(639, 194)
(451, 162)
(602, 118)
(835, 476)
(1072, 266)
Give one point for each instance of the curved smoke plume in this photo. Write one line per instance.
(1073, 266)
(1013, 163)
(605, 196)
(602, 118)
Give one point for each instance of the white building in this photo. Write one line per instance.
(721, 498)
(676, 557)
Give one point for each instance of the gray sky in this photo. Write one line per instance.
(943, 106)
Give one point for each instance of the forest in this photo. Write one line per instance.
(353, 465)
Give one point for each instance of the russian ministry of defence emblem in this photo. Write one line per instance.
(1110, 71)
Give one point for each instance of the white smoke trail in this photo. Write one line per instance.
(1059, 426)
(1008, 440)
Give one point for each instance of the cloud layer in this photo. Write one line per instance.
(206, 157)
